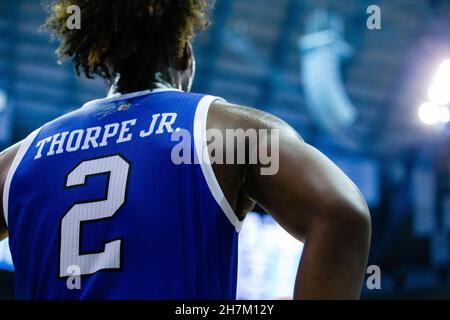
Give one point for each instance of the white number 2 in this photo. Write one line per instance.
(70, 253)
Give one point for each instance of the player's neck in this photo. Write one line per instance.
(161, 80)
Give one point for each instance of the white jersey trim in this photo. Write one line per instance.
(24, 146)
(119, 96)
(201, 147)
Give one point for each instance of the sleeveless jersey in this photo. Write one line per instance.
(116, 201)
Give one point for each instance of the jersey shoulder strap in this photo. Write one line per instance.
(201, 150)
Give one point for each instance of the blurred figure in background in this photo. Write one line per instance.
(268, 260)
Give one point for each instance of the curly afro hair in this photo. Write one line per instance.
(135, 38)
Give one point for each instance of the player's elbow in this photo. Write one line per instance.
(349, 218)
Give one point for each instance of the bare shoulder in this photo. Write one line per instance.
(233, 116)
(6, 159)
(233, 177)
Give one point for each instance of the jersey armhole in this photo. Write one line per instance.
(202, 156)
(25, 145)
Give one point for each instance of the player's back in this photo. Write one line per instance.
(101, 192)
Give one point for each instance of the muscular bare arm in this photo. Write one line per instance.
(6, 159)
(311, 198)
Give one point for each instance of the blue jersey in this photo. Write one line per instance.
(115, 201)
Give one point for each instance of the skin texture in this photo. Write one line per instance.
(6, 159)
(310, 197)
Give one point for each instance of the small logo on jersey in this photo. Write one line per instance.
(124, 107)
(111, 108)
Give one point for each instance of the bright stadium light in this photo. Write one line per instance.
(429, 113)
(437, 109)
(444, 114)
(439, 92)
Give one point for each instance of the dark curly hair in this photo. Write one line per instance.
(135, 38)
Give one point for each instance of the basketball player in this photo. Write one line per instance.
(96, 208)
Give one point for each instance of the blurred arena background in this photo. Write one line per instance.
(374, 101)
